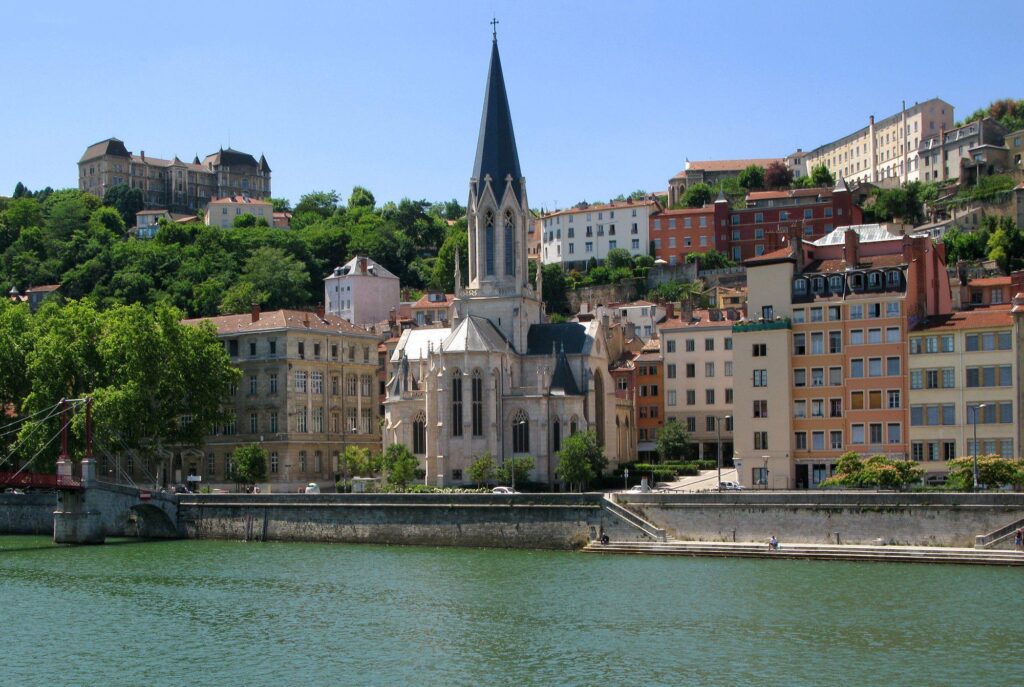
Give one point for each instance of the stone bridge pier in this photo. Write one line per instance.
(98, 510)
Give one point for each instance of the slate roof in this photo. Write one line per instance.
(571, 337)
(111, 146)
(231, 157)
(563, 381)
(474, 334)
(496, 152)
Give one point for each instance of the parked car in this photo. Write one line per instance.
(503, 490)
(312, 488)
(730, 486)
(639, 489)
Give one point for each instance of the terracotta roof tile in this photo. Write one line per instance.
(280, 319)
(990, 281)
(726, 165)
(969, 319)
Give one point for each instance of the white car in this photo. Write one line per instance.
(730, 486)
(638, 489)
(312, 488)
(503, 490)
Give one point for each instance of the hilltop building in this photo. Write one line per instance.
(362, 291)
(173, 184)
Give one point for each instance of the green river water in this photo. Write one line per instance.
(227, 613)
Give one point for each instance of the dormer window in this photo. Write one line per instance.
(818, 284)
(856, 281)
(892, 278)
(874, 280)
(835, 283)
(800, 286)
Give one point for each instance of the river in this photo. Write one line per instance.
(230, 613)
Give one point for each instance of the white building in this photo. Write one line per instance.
(221, 212)
(574, 236)
(361, 291)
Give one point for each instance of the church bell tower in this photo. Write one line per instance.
(497, 218)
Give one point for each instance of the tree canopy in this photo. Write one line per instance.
(249, 464)
(673, 441)
(777, 175)
(581, 459)
(1006, 111)
(696, 196)
(752, 178)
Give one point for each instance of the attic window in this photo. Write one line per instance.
(835, 283)
(892, 278)
(818, 284)
(874, 280)
(800, 286)
(857, 281)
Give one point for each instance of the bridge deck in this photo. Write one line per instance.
(38, 480)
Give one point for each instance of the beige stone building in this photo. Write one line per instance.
(710, 172)
(173, 184)
(697, 348)
(221, 212)
(885, 151)
(308, 390)
(964, 368)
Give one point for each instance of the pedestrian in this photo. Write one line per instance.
(1018, 539)
(773, 544)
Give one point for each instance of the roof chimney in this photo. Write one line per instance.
(670, 310)
(320, 310)
(142, 154)
(255, 312)
(362, 265)
(850, 248)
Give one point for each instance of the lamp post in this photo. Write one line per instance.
(765, 458)
(719, 425)
(976, 409)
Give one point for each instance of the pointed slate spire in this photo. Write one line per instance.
(841, 186)
(264, 167)
(721, 197)
(496, 153)
(563, 381)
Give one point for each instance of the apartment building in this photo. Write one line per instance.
(362, 291)
(963, 380)
(221, 212)
(173, 184)
(824, 349)
(649, 399)
(760, 227)
(573, 237)
(710, 172)
(883, 151)
(309, 389)
(697, 351)
(965, 152)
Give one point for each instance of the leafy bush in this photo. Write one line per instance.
(876, 472)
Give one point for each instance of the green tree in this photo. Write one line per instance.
(820, 175)
(777, 175)
(518, 467)
(281, 204)
(240, 298)
(322, 203)
(400, 465)
(1005, 243)
(965, 245)
(361, 198)
(673, 442)
(581, 459)
(711, 259)
(697, 196)
(482, 470)
(618, 258)
(876, 472)
(126, 200)
(1007, 111)
(554, 289)
(281, 276)
(249, 464)
(443, 275)
(993, 471)
(357, 461)
(752, 178)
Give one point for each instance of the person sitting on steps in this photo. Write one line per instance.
(773, 544)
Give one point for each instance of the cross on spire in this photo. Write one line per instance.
(494, 27)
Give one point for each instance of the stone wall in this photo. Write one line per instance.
(30, 513)
(529, 521)
(594, 296)
(925, 519)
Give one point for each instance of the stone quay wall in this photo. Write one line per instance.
(812, 517)
(30, 513)
(528, 521)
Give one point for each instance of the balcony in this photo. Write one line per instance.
(762, 325)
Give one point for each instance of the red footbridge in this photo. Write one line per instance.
(38, 480)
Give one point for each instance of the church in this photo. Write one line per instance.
(501, 379)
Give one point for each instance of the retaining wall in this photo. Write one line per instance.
(30, 513)
(809, 517)
(534, 521)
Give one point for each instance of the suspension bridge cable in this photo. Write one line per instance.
(14, 446)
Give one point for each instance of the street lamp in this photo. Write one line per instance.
(765, 476)
(976, 409)
(719, 425)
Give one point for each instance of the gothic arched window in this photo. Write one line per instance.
(457, 403)
(520, 432)
(419, 434)
(510, 244)
(556, 436)
(478, 403)
(489, 244)
(574, 425)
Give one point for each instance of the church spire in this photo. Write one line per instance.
(496, 154)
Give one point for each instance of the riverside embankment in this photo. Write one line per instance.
(823, 517)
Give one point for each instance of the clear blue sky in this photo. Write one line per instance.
(606, 97)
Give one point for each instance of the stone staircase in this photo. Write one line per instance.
(633, 520)
(831, 552)
(1001, 538)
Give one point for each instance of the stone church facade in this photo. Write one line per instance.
(501, 379)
